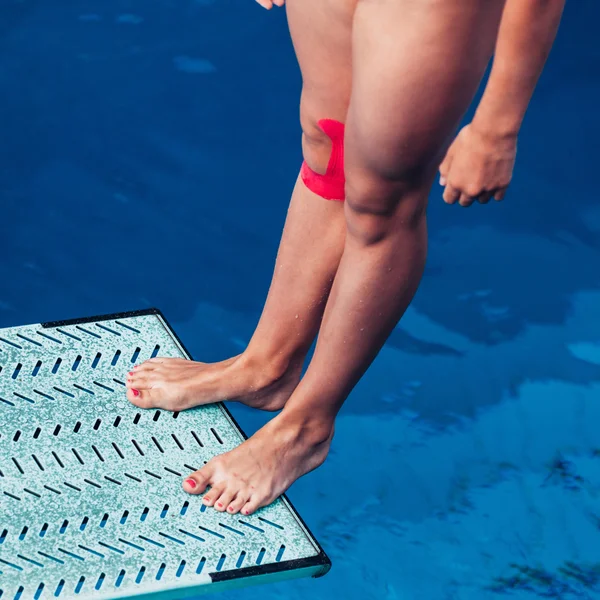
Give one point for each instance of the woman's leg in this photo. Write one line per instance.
(416, 66)
(265, 375)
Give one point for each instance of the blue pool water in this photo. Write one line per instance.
(466, 464)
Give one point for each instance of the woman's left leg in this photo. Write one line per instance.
(416, 66)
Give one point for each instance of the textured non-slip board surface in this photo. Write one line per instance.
(91, 504)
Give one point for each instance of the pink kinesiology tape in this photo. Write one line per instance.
(331, 185)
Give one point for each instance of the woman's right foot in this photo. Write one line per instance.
(177, 384)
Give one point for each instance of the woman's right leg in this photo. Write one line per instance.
(417, 65)
(265, 375)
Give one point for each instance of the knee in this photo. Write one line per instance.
(316, 146)
(388, 177)
(377, 206)
(323, 149)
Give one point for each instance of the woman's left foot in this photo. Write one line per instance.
(177, 384)
(262, 468)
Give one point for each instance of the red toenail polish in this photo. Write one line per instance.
(220, 504)
(130, 372)
(135, 392)
(246, 512)
(191, 483)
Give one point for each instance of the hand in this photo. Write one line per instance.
(478, 166)
(268, 4)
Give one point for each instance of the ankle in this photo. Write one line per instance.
(312, 427)
(273, 363)
(265, 369)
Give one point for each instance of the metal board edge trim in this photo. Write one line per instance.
(209, 587)
(110, 317)
(321, 562)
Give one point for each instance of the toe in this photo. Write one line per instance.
(253, 504)
(197, 482)
(147, 365)
(224, 500)
(213, 494)
(152, 363)
(138, 381)
(238, 502)
(135, 398)
(141, 398)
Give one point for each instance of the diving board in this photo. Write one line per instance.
(91, 504)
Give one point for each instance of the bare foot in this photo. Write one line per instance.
(262, 468)
(178, 384)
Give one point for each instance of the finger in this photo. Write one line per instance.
(466, 200)
(279, 3)
(484, 197)
(499, 195)
(451, 195)
(265, 4)
(444, 168)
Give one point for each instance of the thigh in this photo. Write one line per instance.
(321, 32)
(416, 67)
